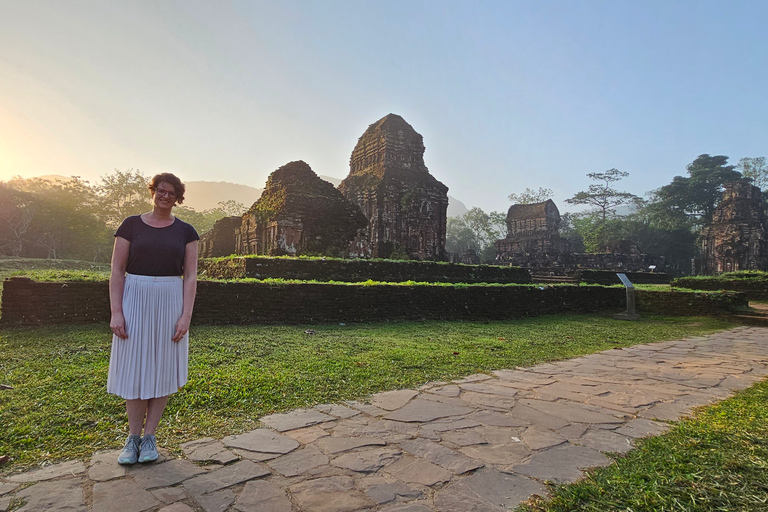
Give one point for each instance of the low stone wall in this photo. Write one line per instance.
(355, 271)
(27, 302)
(753, 289)
(609, 277)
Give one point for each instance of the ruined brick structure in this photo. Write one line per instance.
(298, 213)
(736, 239)
(533, 242)
(221, 239)
(404, 204)
(532, 237)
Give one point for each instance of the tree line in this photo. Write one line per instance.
(74, 219)
(666, 222)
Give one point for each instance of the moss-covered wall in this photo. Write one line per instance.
(27, 302)
(355, 271)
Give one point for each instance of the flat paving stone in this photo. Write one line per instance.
(177, 507)
(420, 410)
(299, 418)
(366, 408)
(260, 496)
(299, 462)
(451, 390)
(476, 377)
(227, 476)
(216, 502)
(539, 438)
(367, 461)
(330, 494)
(502, 455)
(5, 503)
(262, 440)
(489, 389)
(391, 491)
(334, 445)
(562, 463)
(407, 507)
(104, 466)
(642, 428)
(486, 400)
(337, 410)
(529, 415)
(571, 412)
(57, 496)
(391, 400)
(70, 468)
(307, 435)
(121, 496)
(170, 494)
(165, 474)
(497, 419)
(208, 449)
(415, 470)
(451, 460)
(487, 490)
(6, 487)
(463, 437)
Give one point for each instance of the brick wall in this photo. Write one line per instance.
(753, 289)
(26, 302)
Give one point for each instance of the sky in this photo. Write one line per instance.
(507, 94)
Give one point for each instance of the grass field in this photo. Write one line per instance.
(717, 461)
(59, 409)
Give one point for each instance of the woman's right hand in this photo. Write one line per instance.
(117, 324)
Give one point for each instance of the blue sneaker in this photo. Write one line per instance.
(148, 449)
(130, 453)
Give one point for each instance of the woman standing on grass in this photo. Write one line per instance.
(151, 290)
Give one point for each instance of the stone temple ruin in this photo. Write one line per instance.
(736, 239)
(533, 242)
(388, 205)
(404, 204)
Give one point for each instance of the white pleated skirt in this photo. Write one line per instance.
(149, 364)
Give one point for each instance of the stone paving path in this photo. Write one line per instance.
(482, 443)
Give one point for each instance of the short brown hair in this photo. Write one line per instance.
(170, 179)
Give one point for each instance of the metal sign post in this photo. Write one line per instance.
(630, 314)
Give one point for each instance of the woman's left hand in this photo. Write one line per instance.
(182, 328)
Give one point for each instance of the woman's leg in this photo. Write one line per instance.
(137, 410)
(155, 409)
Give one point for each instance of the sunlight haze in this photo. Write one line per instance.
(507, 95)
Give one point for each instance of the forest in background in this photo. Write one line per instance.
(665, 222)
(74, 219)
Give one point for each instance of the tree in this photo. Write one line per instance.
(756, 170)
(123, 194)
(529, 196)
(601, 195)
(475, 230)
(697, 195)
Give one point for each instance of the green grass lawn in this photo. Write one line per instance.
(717, 461)
(59, 409)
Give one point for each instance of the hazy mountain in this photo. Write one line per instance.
(455, 207)
(205, 195)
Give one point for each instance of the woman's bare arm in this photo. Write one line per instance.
(116, 286)
(190, 290)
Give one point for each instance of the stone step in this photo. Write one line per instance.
(552, 279)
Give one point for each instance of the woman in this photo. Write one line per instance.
(151, 310)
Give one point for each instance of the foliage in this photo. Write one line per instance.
(529, 196)
(756, 170)
(713, 461)
(73, 219)
(477, 231)
(697, 195)
(59, 409)
(601, 195)
(123, 194)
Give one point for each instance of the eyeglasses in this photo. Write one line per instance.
(169, 193)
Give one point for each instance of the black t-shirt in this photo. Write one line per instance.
(156, 251)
